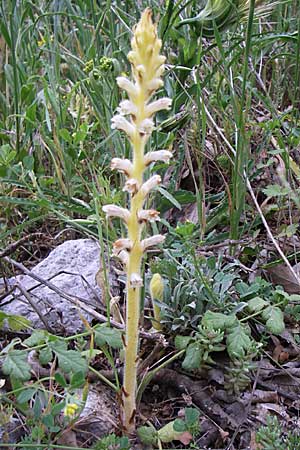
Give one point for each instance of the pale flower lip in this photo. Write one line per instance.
(152, 241)
(122, 165)
(120, 245)
(124, 257)
(135, 280)
(159, 155)
(119, 122)
(128, 86)
(150, 184)
(146, 126)
(148, 215)
(131, 186)
(158, 105)
(116, 211)
(154, 84)
(127, 107)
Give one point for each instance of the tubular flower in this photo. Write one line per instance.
(122, 165)
(135, 118)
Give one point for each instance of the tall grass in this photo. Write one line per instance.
(58, 96)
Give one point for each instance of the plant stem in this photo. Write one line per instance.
(133, 295)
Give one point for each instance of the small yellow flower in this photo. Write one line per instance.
(70, 409)
(41, 41)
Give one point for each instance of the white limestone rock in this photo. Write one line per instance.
(72, 267)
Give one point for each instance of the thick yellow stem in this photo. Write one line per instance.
(133, 295)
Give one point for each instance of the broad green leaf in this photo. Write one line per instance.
(238, 342)
(16, 365)
(109, 336)
(179, 425)
(38, 337)
(181, 342)
(191, 416)
(14, 322)
(26, 395)
(147, 435)
(69, 360)
(256, 304)
(217, 321)
(193, 357)
(273, 316)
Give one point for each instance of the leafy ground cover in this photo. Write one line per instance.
(219, 351)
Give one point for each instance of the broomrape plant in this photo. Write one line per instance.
(135, 118)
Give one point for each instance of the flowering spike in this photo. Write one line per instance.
(135, 117)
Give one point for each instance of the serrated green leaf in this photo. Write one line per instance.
(193, 357)
(110, 336)
(38, 337)
(181, 342)
(238, 342)
(273, 316)
(257, 304)
(69, 360)
(217, 321)
(147, 435)
(16, 365)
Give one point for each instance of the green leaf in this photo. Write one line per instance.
(193, 357)
(48, 420)
(238, 342)
(38, 337)
(45, 355)
(217, 321)
(69, 360)
(256, 304)
(273, 316)
(110, 336)
(169, 197)
(77, 380)
(191, 416)
(275, 190)
(179, 425)
(148, 435)
(65, 135)
(60, 379)
(16, 365)
(14, 322)
(26, 395)
(181, 342)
